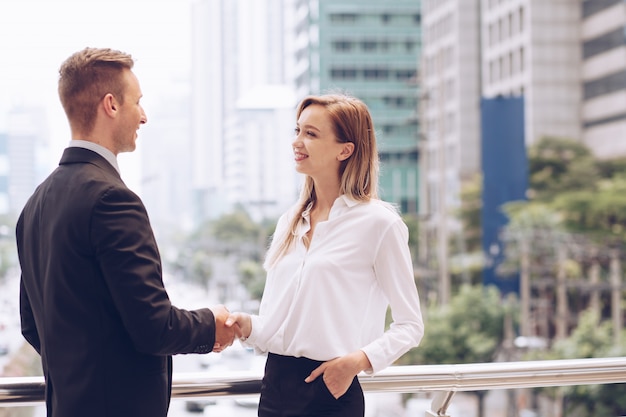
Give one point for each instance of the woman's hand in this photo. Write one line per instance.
(243, 324)
(338, 373)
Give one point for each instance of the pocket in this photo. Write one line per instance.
(323, 390)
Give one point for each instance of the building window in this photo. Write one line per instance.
(343, 17)
(405, 75)
(342, 46)
(591, 7)
(450, 94)
(605, 85)
(611, 40)
(607, 120)
(376, 74)
(343, 73)
(368, 46)
(504, 64)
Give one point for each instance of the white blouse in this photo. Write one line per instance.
(331, 299)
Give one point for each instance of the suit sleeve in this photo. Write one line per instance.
(29, 328)
(128, 257)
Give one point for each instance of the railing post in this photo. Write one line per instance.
(440, 403)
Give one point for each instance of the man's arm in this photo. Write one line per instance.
(29, 328)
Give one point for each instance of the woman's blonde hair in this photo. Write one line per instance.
(352, 122)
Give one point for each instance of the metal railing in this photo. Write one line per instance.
(445, 380)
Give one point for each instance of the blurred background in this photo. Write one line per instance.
(501, 127)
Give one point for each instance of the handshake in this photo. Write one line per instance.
(229, 326)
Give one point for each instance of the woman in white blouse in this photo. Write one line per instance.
(337, 260)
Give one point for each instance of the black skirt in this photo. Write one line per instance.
(285, 394)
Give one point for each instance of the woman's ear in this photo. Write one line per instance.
(346, 151)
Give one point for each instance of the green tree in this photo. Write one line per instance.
(412, 223)
(600, 214)
(609, 168)
(470, 211)
(587, 193)
(470, 329)
(467, 265)
(592, 338)
(556, 165)
(234, 236)
(252, 276)
(236, 227)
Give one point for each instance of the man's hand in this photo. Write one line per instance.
(224, 335)
(338, 373)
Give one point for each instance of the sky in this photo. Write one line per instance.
(36, 36)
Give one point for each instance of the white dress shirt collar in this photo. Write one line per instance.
(100, 150)
(342, 199)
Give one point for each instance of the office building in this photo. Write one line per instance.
(259, 172)
(238, 51)
(488, 49)
(166, 172)
(450, 125)
(604, 76)
(531, 48)
(26, 146)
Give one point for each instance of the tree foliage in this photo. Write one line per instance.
(592, 338)
(587, 193)
(236, 227)
(232, 234)
(556, 165)
(467, 330)
(599, 213)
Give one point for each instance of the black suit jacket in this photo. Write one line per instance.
(92, 300)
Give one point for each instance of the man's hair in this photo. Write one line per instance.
(85, 78)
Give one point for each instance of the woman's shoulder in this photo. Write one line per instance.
(380, 209)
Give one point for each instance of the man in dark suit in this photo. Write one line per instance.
(92, 299)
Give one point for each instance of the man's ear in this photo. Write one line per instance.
(110, 105)
(346, 151)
